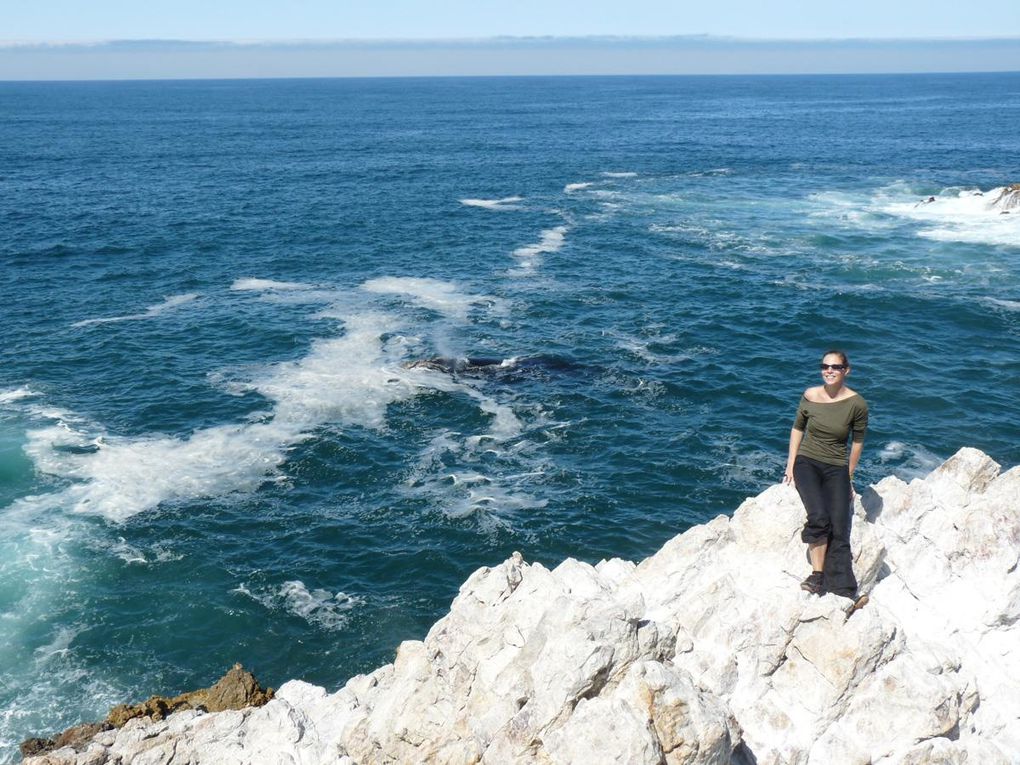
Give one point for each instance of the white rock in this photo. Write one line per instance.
(706, 652)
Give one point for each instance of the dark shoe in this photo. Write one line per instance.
(813, 583)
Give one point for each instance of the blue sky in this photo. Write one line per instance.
(70, 39)
(70, 20)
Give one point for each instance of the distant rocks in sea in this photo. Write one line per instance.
(706, 652)
(1008, 199)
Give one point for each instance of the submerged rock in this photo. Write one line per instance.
(706, 652)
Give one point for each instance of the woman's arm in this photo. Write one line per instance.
(855, 456)
(795, 439)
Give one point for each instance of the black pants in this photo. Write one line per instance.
(825, 491)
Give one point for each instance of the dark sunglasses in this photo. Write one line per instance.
(837, 367)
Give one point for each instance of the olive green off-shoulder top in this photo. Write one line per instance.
(827, 427)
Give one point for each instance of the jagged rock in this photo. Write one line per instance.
(1008, 199)
(707, 652)
(237, 689)
(33, 746)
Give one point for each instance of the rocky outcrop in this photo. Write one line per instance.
(237, 689)
(1008, 199)
(706, 652)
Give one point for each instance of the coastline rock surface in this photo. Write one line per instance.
(706, 652)
(237, 689)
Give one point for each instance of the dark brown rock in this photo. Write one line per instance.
(155, 708)
(33, 746)
(79, 736)
(236, 690)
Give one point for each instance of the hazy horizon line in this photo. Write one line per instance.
(161, 59)
(302, 41)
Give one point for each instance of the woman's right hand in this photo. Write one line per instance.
(788, 476)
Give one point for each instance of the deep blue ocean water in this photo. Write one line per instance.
(214, 446)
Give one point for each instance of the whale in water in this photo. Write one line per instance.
(468, 365)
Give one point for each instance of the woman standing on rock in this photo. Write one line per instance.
(818, 465)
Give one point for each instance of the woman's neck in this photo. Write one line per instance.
(833, 391)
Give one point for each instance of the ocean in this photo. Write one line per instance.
(217, 443)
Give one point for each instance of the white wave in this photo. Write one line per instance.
(348, 381)
(504, 424)
(125, 476)
(50, 686)
(679, 228)
(61, 643)
(659, 348)
(909, 461)
(468, 492)
(434, 294)
(1009, 305)
(620, 175)
(170, 303)
(506, 203)
(132, 555)
(572, 187)
(263, 285)
(321, 608)
(529, 257)
(16, 394)
(128, 552)
(491, 500)
(955, 215)
(858, 212)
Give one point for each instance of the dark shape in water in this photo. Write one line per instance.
(503, 368)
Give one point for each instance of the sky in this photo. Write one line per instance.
(73, 20)
(57, 39)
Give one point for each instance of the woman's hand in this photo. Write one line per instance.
(791, 455)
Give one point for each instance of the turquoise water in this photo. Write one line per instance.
(214, 446)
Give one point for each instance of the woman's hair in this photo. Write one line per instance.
(842, 356)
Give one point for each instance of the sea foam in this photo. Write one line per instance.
(152, 311)
(967, 215)
(321, 608)
(529, 257)
(262, 285)
(506, 203)
(348, 381)
(910, 460)
(434, 294)
(16, 394)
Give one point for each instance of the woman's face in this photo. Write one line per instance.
(833, 369)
